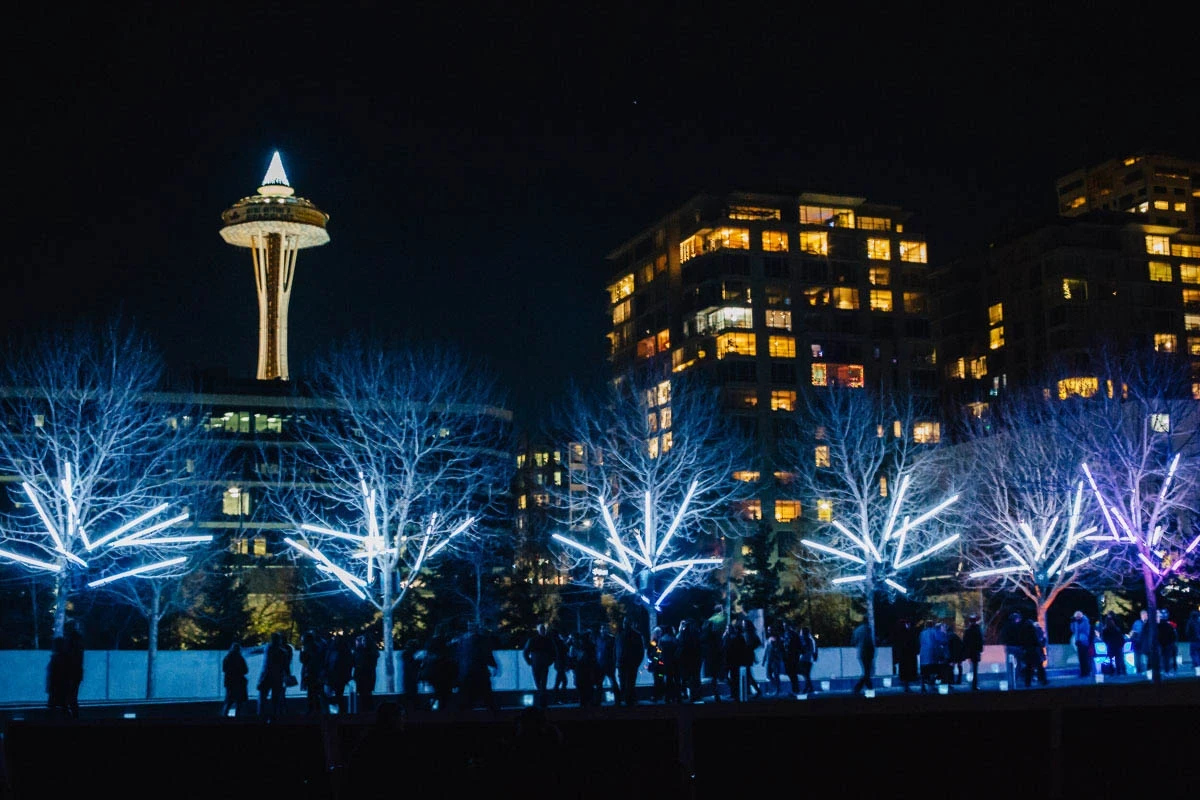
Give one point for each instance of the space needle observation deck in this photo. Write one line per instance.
(275, 225)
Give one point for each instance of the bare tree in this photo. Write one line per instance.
(410, 454)
(1139, 427)
(872, 470)
(102, 469)
(657, 491)
(1031, 522)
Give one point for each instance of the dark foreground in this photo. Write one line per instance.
(1083, 741)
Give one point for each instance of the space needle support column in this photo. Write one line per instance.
(274, 225)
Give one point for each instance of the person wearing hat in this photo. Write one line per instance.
(1081, 637)
(973, 648)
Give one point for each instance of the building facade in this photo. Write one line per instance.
(771, 295)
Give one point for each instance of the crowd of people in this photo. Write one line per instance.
(688, 663)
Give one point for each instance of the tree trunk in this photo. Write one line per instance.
(152, 645)
(389, 663)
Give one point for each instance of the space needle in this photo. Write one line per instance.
(275, 225)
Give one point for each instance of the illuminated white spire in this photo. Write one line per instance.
(275, 175)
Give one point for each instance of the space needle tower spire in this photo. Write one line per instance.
(275, 225)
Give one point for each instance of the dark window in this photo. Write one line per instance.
(777, 268)
(783, 373)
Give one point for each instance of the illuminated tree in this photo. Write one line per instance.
(1139, 429)
(654, 489)
(1032, 521)
(399, 468)
(870, 468)
(103, 471)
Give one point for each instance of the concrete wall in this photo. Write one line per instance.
(115, 675)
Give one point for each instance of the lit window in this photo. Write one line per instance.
(746, 476)
(783, 400)
(957, 369)
(738, 344)
(883, 486)
(781, 346)
(822, 215)
(1191, 298)
(1158, 245)
(821, 455)
(1165, 342)
(753, 212)
(741, 398)
(774, 241)
(874, 224)
(664, 417)
(541, 500)
(927, 433)
(845, 298)
(652, 447)
(915, 303)
(621, 289)
(979, 367)
(523, 501)
(1161, 205)
(879, 275)
(646, 274)
(731, 238)
(996, 337)
(996, 314)
(664, 392)
(881, 300)
(914, 252)
(779, 319)
(690, 248)
(1160, 423)
(1160, 271)
(1189, 273)
(620, 312)
(977, 409)
(664, 341)
(667, 440)
(897, 429)
(1193, 345)
(652, 422)
(541, 459)
(1186, 250)
(558, 477)
(825, 510)
(724, 318)
(645, 347)
(786, 510)
(1074, 289)
(521, 461)
(1191, 322)
(817, 295)
(1180, 207)
(814, 242)
(879, 249)
(235, 502)
(848, 375)
(1082, 387)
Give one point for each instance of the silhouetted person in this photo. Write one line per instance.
(272, 680)
(234, 670)
(75, 661)
(339, 668)
(312, 673)
(366, 659)
(631, 649)
(864, 646)
(973, 647)
(475, 665)
(606, 663)
(539, 653)
(59, 679)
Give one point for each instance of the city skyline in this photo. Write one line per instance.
(475, 186)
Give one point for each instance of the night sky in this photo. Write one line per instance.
(478, 166)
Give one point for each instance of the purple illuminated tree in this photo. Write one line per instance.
(1033, 522)
(1139, 428)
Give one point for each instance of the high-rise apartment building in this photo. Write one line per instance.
(1162, 188)
(771, 294)
(1118, 270)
